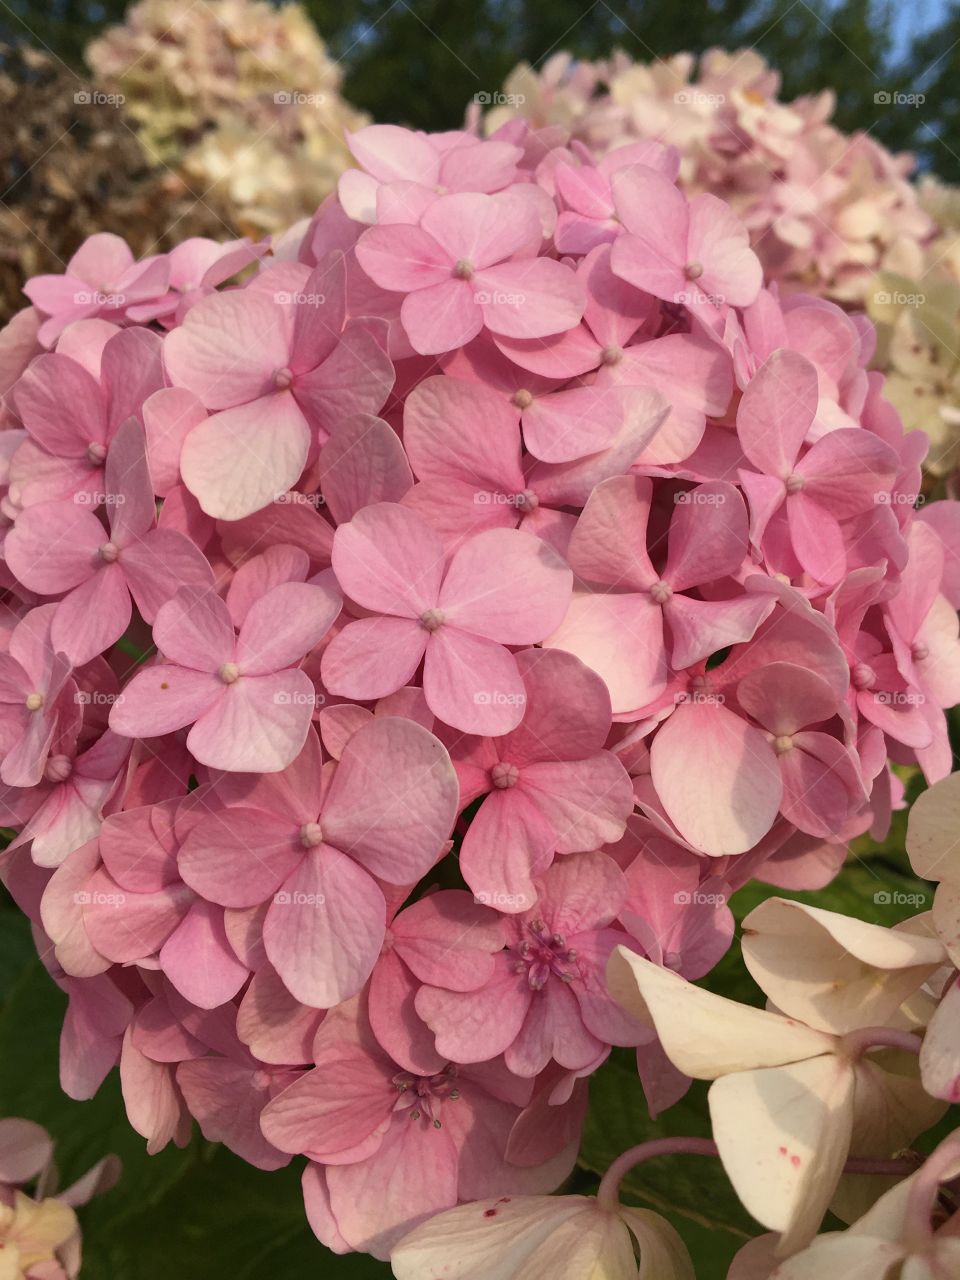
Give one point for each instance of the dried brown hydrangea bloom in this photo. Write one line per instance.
(70, 166)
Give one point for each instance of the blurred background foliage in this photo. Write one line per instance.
(419, 61)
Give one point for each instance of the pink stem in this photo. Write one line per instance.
(923, 1193)
(857, 1043)
(608, 1194)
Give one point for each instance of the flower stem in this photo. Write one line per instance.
(608, 1194)
(857, 1043)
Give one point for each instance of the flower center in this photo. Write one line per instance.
(311, 835)
(661, 592)
(229, 673)
(522, 399)
(59, 769)
(920, 653)
(672, 960)
(545, 954)
(96, 453)
(109, 552)
(864, 676)
(282, 378)
(34, 701)
(782, 744)
(611, 355)
(794, 483)
(504, 775)
(432, 619)
(693, 270)
(526, 501)
(424, 1095)
(463, 269)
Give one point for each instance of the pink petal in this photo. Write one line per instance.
(169, 415)
(324, 928)
(199, 961)
(238, 461)
(388, 560)
(506, 585)
(394, 819)
(355, 378)
(443, 317)
(93, 616)
(529, 299)
(708, 535)
(229, 347)
(717, 778)
(373, 657)
(161, 699)
(472, 683)
(777, 411)
(240, 856)
(284, 625)
(257, 725)
(587, 802)
(53, 546)
(506, 844)
(402, 258)
(720, 242)
(567, 710)
(620, 637)
(362, 463)
(608, 545)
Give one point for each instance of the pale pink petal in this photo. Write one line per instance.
(229, 347)
(373, 657)
(443, 317)
(257, 725)
(506, 585)
(362, 463)
(324, 928)
(284, 625)
(620, 637)
(241, 459)
(387, 559)
(199, 961)
(777, 411)
(717, 778)
(393, 818)
(472, 683)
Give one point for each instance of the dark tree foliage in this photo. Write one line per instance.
(419, 61)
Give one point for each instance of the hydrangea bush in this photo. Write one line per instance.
(415, 630)
(830, 214)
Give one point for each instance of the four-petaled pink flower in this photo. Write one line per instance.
(472, 263)
(249, 705)
(314, 850)
(502, 587)
(549, 785)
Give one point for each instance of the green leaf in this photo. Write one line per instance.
(196, 1214)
